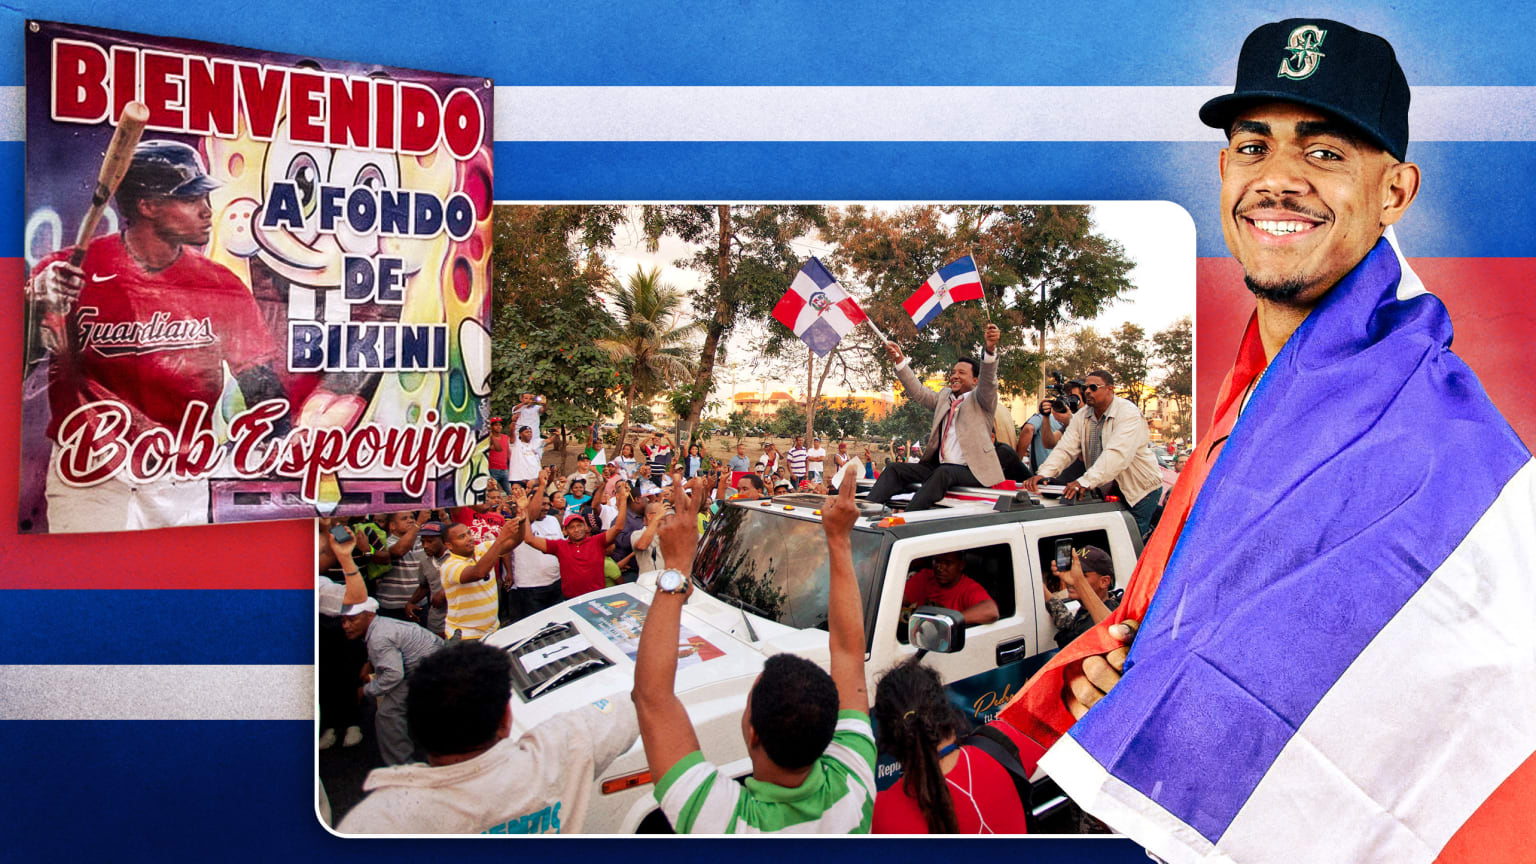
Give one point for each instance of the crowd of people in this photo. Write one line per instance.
(410, 594)
(444, 714)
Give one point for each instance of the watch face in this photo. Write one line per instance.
(670, 581)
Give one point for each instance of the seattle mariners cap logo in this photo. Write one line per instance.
(1303, 44)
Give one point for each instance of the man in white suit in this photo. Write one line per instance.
(959, 450)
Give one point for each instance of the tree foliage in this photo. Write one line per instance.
(1041, 267)
(909, 422)
(1129, 356)
(1172, 348)
(546, 316)
(745, 253)
(843, 418)
(788, 421)
(645, 337)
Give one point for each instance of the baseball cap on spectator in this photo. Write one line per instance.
(431, 529)
(571, 517)
(495, 419)
(782, 484)
(369, 605)
(1096, 560)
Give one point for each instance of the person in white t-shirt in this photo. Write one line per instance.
(535, 574)
(527, 412)
(523, 462)
(816, 459)
(478, 779)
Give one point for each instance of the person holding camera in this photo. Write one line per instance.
(1111, 437)
(1031, 445)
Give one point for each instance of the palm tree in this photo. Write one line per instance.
(645, 337)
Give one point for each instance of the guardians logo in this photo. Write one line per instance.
(159, 333)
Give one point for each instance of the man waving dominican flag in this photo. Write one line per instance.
(818, 309)
(955, 282)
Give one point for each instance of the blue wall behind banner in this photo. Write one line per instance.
(186, 787)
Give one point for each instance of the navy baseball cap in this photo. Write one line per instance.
(1347, 73)
(167, 169)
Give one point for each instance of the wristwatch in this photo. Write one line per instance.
(672, 581)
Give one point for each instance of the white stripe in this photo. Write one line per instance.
(1432, 716)
(157, 692)
(1409, 285)
(945, 113)
(1124, 809)
(918, 113)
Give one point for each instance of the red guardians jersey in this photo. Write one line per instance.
(154, 341)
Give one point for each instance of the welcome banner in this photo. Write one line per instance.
(258, 284)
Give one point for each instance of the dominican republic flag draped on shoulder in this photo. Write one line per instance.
(955, 282)
(1339, 662)
(818, 309)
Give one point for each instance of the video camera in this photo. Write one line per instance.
(1057, 391)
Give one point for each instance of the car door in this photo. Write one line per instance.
(984, 674)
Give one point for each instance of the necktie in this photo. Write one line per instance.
(949, 418)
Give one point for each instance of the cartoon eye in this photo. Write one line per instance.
(305, 175)
(360, 169)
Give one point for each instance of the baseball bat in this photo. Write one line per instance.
(130, 126)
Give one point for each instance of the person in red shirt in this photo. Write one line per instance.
(581, 553)
(946, 787)
(497, 455)
(146, 322)
(946, 585)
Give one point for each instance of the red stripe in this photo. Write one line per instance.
(967, 291)
(1503, 829)
(258, 555)
(1491, 302)
(918, 298)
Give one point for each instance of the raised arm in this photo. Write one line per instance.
(845, 612)
(622, 502)
(408, 539)
(526, 505)
(665, 728)
(909, 383)
(986, 385)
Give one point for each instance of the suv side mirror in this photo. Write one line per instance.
(932, 628)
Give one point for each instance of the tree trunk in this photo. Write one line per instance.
(703, 380)
(629, 405)
(813, 397)
(810, 394)
(1041, 395)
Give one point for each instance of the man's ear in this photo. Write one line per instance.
(1399, 186)
(504, 728)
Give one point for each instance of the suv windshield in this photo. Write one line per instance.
(775, 565)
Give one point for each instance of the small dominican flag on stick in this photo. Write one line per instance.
(818, 309)
(955, 282)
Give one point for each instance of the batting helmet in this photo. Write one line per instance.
(163, 169)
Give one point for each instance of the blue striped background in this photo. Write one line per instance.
(243, 789)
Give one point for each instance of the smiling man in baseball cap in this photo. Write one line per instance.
(1326, 579)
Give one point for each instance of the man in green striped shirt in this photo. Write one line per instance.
(807, 732)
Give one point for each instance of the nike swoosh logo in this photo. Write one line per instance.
(108, 277)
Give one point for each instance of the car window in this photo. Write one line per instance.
(775, 566)
(1046, 551)
(989, 566)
